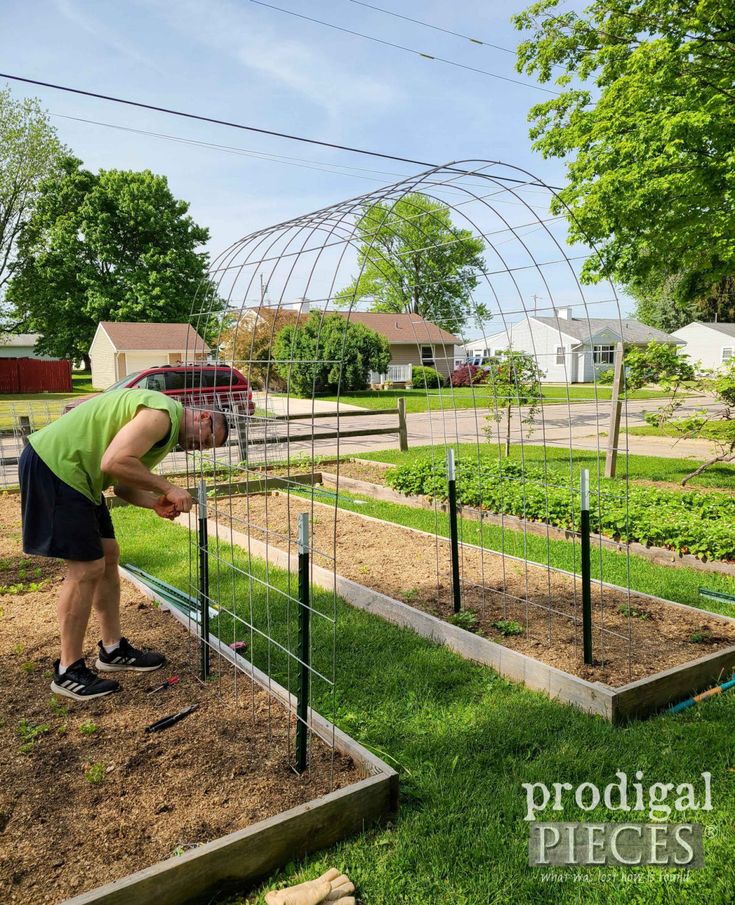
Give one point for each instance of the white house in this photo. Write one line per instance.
(22, 345)
(569, 349)
(119, 349)
(711, 344)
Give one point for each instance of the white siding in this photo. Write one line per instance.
(543, 342)
(102, 358)
(704, 343)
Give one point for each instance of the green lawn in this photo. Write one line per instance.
(639, 468)
(464, 740)
(713, 430)
(476, 397)
(41, 406)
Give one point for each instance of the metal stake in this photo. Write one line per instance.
(453, 533)
(302, 706)
(584, 530)
(203, 580)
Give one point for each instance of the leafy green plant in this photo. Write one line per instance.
(508, 627)
(28, 666)
(88, 727)
(57, 707)
(409, 595)
(700, 637)
(633, 612)
(30, 733)
(423, 377)
(466, 619)
(95, 773)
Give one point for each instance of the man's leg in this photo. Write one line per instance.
(106, 599)
(75, 605)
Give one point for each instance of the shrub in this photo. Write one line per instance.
(467, 376)
(426, 378)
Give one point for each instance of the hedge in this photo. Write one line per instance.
(702, 524)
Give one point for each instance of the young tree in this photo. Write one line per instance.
(248, 338)
(328, 353)
(414, 260)
(29, 153)
(645, 121)
(114, 246)
(514, 379)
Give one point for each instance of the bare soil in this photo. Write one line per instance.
(86, 796)
(633, 636)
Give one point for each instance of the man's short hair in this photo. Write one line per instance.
(219, 420)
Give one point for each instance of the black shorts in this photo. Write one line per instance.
(59, 521)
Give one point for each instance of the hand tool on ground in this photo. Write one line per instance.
(170, 720)
(174, 680)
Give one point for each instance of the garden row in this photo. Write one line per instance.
(702, 524)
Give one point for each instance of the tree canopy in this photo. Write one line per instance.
(328, 353)
(29, 153)
(645, 120)
(115, 245)
(413, 259)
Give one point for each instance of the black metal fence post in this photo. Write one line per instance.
(304, 647)
(453, 533)
(203, 580)
(584, 530)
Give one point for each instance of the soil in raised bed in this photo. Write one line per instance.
(88, 797)
(633, 636)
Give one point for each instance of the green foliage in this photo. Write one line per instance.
(508, 627)
(88, 727)
(413, 259)
(112, 246)
(328, 353)
(633, 612)
(29, 153)
(513, 379)
(655, 363)
(645, 123)
(424, 378)
(466, 619)
(95, 773)
(30, 733)
(699, 523)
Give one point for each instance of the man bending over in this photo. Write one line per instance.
(111, 440)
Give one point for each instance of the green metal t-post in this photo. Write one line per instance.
(203, 580)
(584, 530)
(302, 706)
(453, 533)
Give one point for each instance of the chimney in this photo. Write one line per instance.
(564, 313)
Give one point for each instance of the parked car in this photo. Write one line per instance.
(208, 385)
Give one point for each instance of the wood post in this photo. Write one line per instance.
(304, 648)
(241, 430)
(402, 428)
(584, 530)
(24, 423)
(203, 580)
(613, 433)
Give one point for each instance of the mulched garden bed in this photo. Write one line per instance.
(88, 797)
(651, 635)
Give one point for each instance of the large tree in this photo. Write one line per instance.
(413, 259)
(117, 246)
(645, 120)
(29, 153)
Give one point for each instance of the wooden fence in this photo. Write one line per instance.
(33, 375)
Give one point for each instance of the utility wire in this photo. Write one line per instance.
(447, 31)
(260, 131)
(411, 50)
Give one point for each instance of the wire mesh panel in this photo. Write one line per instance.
(497, 352)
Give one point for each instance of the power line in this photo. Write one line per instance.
(411, 50)
(447, 31)
(257, 129)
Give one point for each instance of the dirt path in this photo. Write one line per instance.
(86, 796)
(632, 636)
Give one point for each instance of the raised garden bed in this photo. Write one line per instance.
(404, 575)
(211, 803)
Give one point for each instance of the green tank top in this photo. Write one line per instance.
(73, 446)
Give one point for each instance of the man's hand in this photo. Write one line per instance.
(165, 509)
(179, 497)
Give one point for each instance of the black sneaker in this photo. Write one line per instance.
(125, 656)
(81, 683)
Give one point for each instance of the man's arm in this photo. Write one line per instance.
(147, 500)
(121, 460)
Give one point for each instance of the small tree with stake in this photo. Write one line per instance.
(514, 379)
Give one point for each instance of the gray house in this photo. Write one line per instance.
(569, 349)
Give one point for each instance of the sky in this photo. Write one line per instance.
(249, 63)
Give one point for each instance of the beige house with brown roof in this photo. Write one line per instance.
(121, 348)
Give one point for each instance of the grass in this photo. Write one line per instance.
(638, 468)
(475, 397)
(41, 405)
(712, 430)
(464, 740)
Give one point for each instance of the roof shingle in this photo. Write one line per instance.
(130, 337)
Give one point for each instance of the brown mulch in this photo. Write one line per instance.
(633, 636)
(86, 796)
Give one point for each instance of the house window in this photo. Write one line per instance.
(726, 353)
(427, 356)
(560, 355)
(603, 355)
